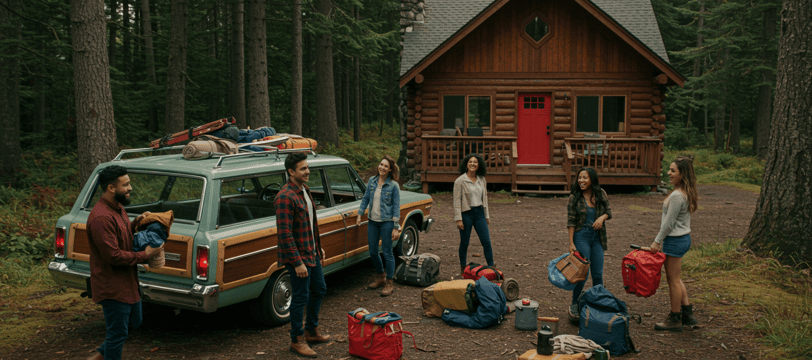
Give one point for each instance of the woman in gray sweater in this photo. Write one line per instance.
(471, 207)
(674, 239)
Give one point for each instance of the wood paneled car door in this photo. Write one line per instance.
(347, 190)
(331, 223)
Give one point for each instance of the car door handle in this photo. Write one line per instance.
(346, 214)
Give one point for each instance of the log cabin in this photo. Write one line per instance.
(540, 88)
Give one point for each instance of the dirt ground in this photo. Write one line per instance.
(527, 232)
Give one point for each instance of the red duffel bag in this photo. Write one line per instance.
(475, 271)
(376, 336)
(641, 271)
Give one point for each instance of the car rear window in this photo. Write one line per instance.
(155, 192)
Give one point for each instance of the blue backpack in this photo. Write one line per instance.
(605, 320)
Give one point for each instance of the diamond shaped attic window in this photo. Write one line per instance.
(536, 30)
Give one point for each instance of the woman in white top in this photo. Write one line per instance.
(383, 199)
(471, 207)
(674, 239)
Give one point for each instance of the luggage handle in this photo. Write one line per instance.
(638, 247)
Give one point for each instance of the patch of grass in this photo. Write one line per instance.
(643, 209)
(712, 168)
(371, 148)
(771, 299)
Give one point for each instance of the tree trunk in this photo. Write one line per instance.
(176, 72)
(237, 60)
(347, 118)
(733, 131)
(697, 69)
(259, 110)
(326, 122)
(296, 72)
(39, 105)
(10, 153)
(211, 25)
(765, 91)
(111, 52)
(356, 133)
(309, 59)
(146, 27)
(719, 129)
(126, 50)
(780, 225)
(95, 125)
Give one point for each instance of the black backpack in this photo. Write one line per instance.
(418, 270)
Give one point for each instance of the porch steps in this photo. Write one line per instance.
(540, 187)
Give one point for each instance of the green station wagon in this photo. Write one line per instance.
(222, 248)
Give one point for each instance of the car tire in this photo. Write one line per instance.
(272, 307)
(409, 240)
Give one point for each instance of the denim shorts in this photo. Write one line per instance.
(677, 246)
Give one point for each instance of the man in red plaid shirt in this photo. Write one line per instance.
(301, 253)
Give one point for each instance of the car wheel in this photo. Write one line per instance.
(272, 307)
(511, 289)
(409, 239)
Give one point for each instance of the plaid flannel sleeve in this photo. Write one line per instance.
(288, 253)
(608, 210)
(572, 210)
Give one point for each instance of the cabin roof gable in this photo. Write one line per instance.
(445, 19)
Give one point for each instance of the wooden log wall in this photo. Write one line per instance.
(646, 116)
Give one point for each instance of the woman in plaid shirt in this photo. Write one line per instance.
(587, 210)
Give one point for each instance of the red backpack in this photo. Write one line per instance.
(641, 271)
(475, 271)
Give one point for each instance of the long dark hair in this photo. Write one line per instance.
(685, 165)
(597, 192)
(480, 171)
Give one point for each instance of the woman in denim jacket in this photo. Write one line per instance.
(383, 198)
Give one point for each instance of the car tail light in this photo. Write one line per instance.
(202, 262)
(59, 242)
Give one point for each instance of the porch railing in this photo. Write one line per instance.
(622, 156)
(444, 153)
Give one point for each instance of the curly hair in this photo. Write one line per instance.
(110, 175)
(480, 171)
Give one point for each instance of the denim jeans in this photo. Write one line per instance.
(307, 291)
(588, 243)
(383, 231)
(120, 319)
(475, 218)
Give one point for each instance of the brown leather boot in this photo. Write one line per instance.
(673, 322)
(315, 337)
(96, 356)
(388, 288)
(380, 281)
(301, 348)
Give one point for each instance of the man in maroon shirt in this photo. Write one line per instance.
(113, 272)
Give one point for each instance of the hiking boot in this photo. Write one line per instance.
(301, 348)
(388, 288)
(460, 277)
(688, 318)
(96, 356)
(574, 314)
(313, 336)
(380, 281)
(673, 322)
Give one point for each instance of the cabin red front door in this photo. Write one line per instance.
(534, 129)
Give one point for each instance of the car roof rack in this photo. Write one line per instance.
(143, 150)
(269, 152)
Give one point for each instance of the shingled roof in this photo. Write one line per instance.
(444, 18)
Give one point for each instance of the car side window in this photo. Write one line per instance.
(342, 185)
(248, 198)
(318, 189)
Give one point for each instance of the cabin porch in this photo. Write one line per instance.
(618, 161)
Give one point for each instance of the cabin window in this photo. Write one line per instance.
(466, 111)
(600, 114)
(536, 29)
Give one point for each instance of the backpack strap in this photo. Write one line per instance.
(636, 318)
